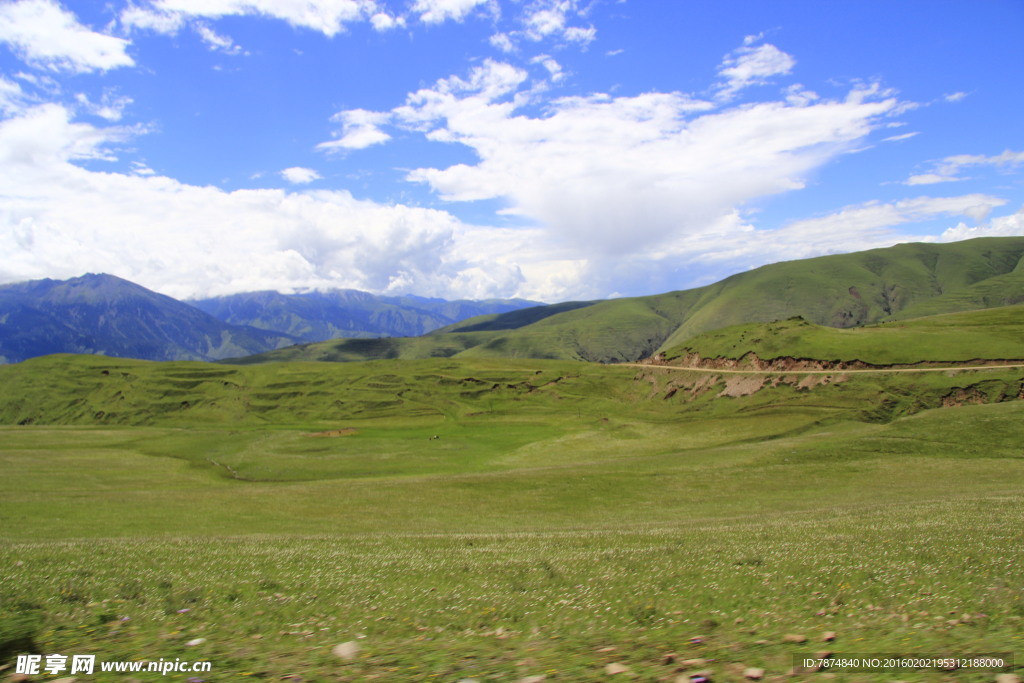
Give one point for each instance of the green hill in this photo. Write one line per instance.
(840, 291)
(990, 334)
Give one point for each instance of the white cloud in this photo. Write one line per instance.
(502, 42)
(45, 35)
(59, 220)
(110, 107)
(438, 11)
(949, 169)
(851, 225)
(382, 21)
(551, 65)
(956, 97)
(898, 138)
(12, 97)
(217, 42)
(550, 19)
(326, 16)
(928, 179)
(579, 34)
(296, 175)
(616, 175)
(1002, 226)
(359, 129)
(748, 66)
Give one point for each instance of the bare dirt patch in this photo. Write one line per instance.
(348, 431)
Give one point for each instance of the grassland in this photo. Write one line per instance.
(990, 334)
(840, 291)
(500, 519)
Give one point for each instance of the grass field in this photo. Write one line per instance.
(500, 520)
(995, 333)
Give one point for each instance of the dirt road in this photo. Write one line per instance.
(837, 371)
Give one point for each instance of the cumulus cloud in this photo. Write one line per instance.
(1002, 226)
(12, 97)
(749, 65)
(638, 189)
(359, 129)
(217, 42)
(296, 175)
(608, 175)
(949, 169)
(110, 107)
(46, 35)
(59, 219)
(382, 21)
(326, 16)
(872, 220)
(554, 69)
(438, 11)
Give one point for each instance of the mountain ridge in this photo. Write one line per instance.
(842, 291)
(104, 314)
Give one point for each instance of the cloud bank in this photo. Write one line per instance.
(602, 193)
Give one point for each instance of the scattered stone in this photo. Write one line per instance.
(66, 679)
(606, 649)
(693, 663)
(828, 636)
(532, 679)
(196, 641)
(349, 650)
(700, 677)
(1007, 678)
(615, 668)
(668, 658)
(753, 673)
(794, 638)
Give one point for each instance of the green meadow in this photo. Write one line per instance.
(508, 520)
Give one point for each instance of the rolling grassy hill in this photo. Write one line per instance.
(501, 519)
(527, 519)
(841, 291)
(989, 334)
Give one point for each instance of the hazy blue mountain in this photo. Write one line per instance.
(319, 316)
(104, 314)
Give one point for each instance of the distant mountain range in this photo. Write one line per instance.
(316, 316)
(841, 291)
(104, 314)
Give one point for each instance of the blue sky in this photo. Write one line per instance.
(546, 149)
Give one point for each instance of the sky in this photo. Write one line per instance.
(551, 150)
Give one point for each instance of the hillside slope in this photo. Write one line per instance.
(985, 335)
(841, 291)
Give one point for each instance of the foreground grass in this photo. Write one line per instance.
(565, 517)
(939, 578)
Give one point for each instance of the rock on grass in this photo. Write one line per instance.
(346, 651)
